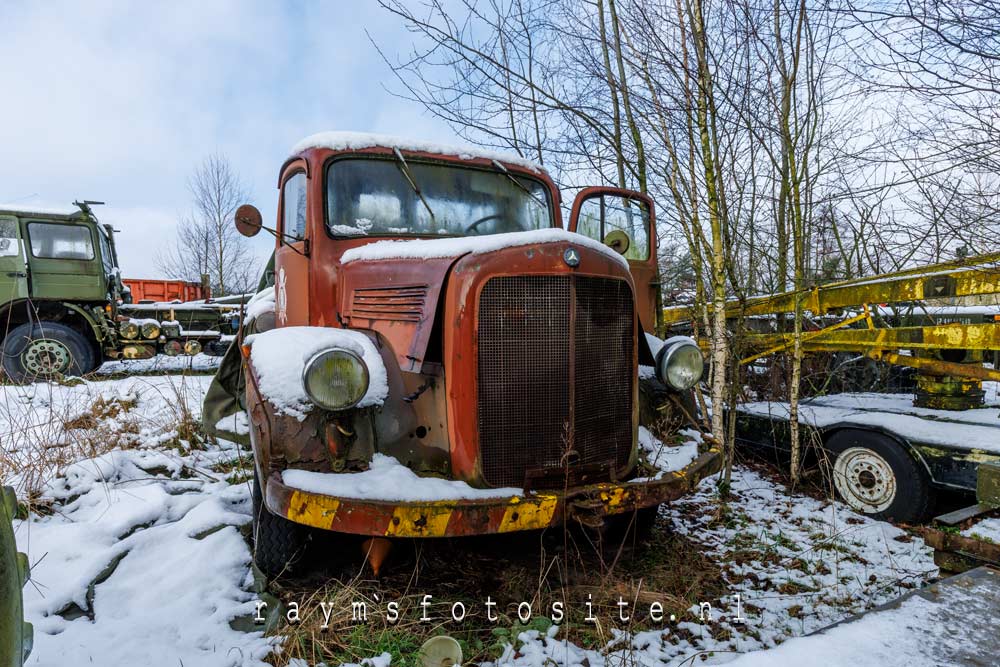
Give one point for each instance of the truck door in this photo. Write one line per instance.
(291, 267)
(63, 261)
(13, 276)
(624, 220)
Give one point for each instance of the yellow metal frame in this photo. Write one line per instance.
(971, 277)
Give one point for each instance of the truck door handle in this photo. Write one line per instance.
(16, 274)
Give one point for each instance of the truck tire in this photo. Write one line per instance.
(877, 477)
(46, 350)
(630, 528)
(278, 543)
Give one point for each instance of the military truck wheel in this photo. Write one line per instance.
(877, 477)
(45, 350)
(278, 543)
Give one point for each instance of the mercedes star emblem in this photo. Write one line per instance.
(571, 257)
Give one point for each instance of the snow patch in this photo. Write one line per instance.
(668, 459)
(988, 529)
(238, 423)
(280, 355)
(388, 479)
(474, 245)
(965, 430)
(261, 302)
(349, 141)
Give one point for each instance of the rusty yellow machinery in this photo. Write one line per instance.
(948, 356)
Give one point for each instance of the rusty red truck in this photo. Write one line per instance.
(438, 356)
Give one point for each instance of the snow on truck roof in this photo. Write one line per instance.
(40, 210)
(344, 141)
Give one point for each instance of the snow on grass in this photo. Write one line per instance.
(46, 426)
(137, 556)
(798, 564)
(140, 560)
(985, 529)
(920, 632)
(143, 563)
(280, 356)
(475, 245)
(388, 479)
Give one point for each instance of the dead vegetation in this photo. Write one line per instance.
(47, 426)
(464, 578)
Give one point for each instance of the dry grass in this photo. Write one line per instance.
(47, 426)
(559, 566)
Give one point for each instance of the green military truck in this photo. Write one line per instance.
(64, 309)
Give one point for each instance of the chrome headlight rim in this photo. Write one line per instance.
(668, 354)
(311, 365)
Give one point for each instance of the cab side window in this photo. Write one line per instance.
(52, 241)
(8, 237)
(603, 214)
(294, 205)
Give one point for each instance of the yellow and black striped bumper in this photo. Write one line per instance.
(450, 518)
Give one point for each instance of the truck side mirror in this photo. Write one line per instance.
(248, 220)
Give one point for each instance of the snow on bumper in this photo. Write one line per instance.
(478, 516)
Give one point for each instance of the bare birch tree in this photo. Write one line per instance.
(207, 243)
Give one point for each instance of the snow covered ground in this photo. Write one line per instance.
(138, 556)
(798, 565)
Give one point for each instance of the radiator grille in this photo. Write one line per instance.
(555, 370)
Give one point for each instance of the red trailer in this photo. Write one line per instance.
(165, 290)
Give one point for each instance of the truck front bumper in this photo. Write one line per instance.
(588, 505)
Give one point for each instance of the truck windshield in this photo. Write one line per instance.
(374, 197)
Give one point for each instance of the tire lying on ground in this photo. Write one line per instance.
(45, 350)
(15, 635)
(278, 543)
(877, 476)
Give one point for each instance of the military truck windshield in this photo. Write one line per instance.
(374, 197)
(55, 241)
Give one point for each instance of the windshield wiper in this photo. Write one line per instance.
(503, 170)
(405, 168)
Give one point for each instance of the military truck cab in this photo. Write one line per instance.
(58, 273)
(433, 317)
(64, 309)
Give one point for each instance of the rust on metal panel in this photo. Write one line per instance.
(451, 518)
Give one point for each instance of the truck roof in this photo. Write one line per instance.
(51, 212)
(342, 141)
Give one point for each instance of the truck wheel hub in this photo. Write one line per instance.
(45, 357)
(864, 480)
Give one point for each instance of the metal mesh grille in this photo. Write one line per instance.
(603, 382)
(525, 387)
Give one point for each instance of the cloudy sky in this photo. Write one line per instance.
(119, 101)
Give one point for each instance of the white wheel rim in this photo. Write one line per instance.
(864, 480)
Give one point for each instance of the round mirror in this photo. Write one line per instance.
(248, 220)
(618, 241)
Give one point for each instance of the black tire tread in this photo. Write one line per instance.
(83, 357)
(915, 498)
(278, 543)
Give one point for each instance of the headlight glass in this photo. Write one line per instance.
(335, 379)
(681, 366)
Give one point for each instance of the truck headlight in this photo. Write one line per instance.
(335, 379)
(680, 365)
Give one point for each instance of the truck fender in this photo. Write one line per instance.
(89, 318)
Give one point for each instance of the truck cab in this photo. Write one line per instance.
(64, 307)
(439, 318)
